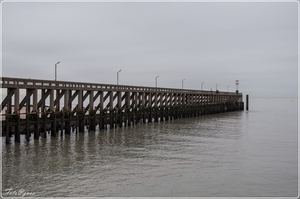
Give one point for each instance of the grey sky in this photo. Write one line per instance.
(212, 42)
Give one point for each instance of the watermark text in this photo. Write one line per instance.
(17, 193)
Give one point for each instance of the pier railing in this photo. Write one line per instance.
(8, 82)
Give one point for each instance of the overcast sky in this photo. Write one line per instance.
(215, 43)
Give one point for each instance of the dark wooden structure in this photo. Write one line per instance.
(38, 107)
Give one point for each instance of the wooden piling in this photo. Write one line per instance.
(53, 125)
(7, 137)
(247, 102)
(36, 126)
(44, 126)
(27, 133)
(17, 127)
(81, 121)
(93, 120)
(67, 119)
(61, 123)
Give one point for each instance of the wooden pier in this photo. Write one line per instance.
(41, 107)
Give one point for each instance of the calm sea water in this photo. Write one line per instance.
(247, 153)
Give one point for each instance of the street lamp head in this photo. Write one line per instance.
(120, 70)
(58, 62)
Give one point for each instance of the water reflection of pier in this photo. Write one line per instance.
(44, 106)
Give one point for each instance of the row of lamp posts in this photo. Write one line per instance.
(155, 79)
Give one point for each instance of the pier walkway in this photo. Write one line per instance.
(41, 107)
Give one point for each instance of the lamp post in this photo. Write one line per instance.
(217, 87)
(118, 76)
(182, 83)
(202, 85)
(156, 81)
(56, 70)
(228, 88)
